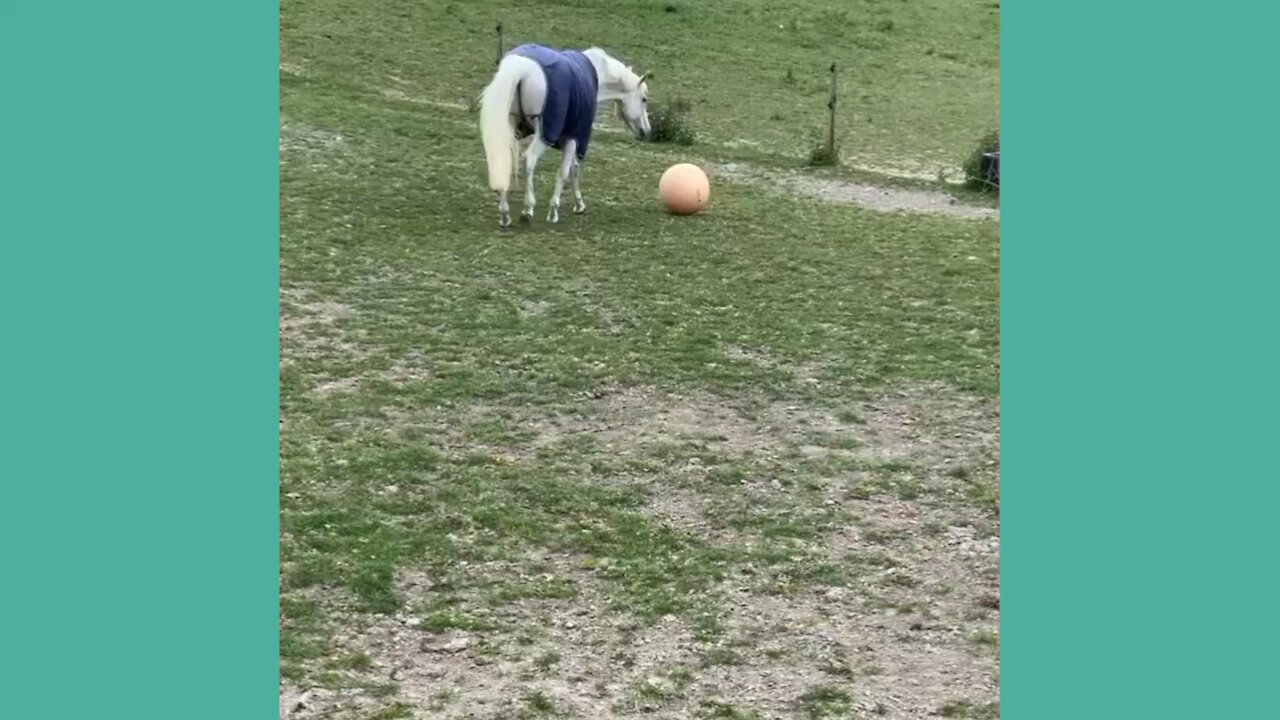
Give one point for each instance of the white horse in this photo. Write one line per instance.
(553, 95)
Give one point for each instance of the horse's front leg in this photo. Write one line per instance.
(536, 148)
(570, 149)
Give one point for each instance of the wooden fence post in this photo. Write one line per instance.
(831, 127)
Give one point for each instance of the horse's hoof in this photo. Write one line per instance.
(580, 209)
(553, 216)
(526, 218)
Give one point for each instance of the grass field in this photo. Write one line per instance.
(740, 465)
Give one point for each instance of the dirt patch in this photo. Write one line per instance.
(933, 426)
(299, 316)
(640, 417)
(893, 662)
(809, 372)
(679, 508)
(339, 386)
(297, 137)
(635, 421)
(907, 170)
(309, 330)
(929, 423)
(573, 653)
(298, 309)
(413, 368)
(873, 197)
(933, 439)
(885, 199)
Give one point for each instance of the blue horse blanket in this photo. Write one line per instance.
(572, 87)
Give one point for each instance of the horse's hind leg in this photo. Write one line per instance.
(570, 150)
(536, 148)
(504, 211)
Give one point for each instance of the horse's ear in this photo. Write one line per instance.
(646, 76)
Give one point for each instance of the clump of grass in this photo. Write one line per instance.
(669, 122)
(547, 660)
(653, 690)
(358, 661)
(825, 701)
(719, 656)
(394, 712)
(980, 171)
(454, 620)
(987, 639)
(539, 703)
(902, 580)
(963, 709)
(850, 417)
(681, 677)
(441, 698)
(720, 710)
(836, 668)
(822, 156)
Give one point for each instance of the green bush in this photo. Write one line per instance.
(670, 122)
(981, 171)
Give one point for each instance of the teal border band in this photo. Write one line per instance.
(1139, 326)
(139, 275)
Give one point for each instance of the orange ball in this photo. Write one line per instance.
(684, 189)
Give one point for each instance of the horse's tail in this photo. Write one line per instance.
(496, 129)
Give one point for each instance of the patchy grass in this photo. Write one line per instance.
(632, 446)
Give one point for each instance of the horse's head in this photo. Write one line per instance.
(633, 105)
(628, 91)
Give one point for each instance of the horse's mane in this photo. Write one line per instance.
(619, 71)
